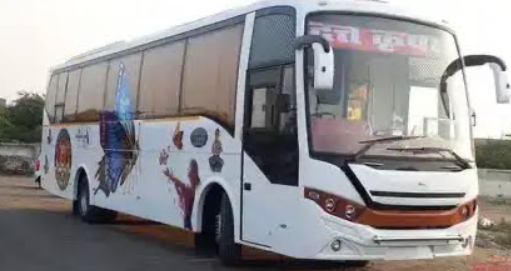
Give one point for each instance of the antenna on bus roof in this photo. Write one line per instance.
(97, 50)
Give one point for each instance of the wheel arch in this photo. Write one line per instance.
(81, 171)
(211, 189)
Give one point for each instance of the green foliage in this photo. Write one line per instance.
(496, 154)
(22, 120)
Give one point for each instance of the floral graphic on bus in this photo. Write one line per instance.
(186, 192)
(118, 139)
(178, 137)
(63, 159)
(216, 162)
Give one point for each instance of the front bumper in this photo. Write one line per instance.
(359, 242)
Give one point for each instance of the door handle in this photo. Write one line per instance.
(247, 186)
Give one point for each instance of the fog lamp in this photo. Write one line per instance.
(336, 245)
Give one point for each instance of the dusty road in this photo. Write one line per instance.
(38, 232)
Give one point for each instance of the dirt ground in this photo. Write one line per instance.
(22, 194)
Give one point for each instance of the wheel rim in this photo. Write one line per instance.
(83, 203)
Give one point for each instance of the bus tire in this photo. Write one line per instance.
(228, 251)
(89, 213)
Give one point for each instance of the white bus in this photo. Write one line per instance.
(327, 130)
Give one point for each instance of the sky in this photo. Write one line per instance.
(36, 35)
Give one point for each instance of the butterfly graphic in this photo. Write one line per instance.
(118, 139)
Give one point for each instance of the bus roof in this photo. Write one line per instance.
(303, 7)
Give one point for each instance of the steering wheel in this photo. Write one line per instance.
(321, 114)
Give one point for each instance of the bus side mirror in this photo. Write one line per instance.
(323, 60)
(502, 86)
(497, 65)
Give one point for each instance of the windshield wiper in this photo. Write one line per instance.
(426, 150)
(372, 143)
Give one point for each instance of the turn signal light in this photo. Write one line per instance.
(335, 205)
(468, 210)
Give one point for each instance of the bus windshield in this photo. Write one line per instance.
(387, 84)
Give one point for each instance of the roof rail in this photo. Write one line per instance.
(97, 51)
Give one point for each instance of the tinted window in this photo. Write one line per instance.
(61, 89)
(161, 80)
(51, 95)
(92, 88)
(132, 69)
(73, 84)
(273, 40)
(210, 74)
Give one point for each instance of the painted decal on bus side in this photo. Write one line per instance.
(216, 162)
(164, 157)
(177, 139)
(118, 139)
(185, 192)
(83, 137)
(63, 159)
(199, 138)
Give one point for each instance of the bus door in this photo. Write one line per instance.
(270, 143)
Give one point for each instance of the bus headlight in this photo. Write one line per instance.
(335, 205)
(330, 205)
(350, 211)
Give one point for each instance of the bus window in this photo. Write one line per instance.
(274, 37)
(270, 136)
(132, 69)
(160, 82)
(51, 96)
(211, 73)
(60, 98)
(73, 85)
(92, 89)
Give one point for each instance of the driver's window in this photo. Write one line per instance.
(263, 108)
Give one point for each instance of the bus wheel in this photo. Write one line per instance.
(228, 251)
(88, 213)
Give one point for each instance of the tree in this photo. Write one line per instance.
(22, 120)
